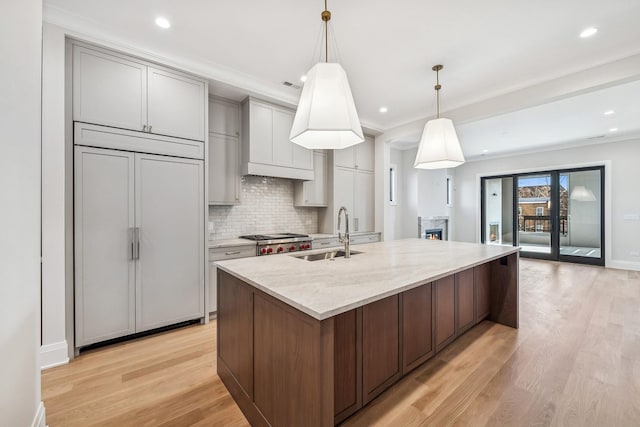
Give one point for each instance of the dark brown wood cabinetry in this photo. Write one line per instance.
(465, 301)
(445, 307)
(284, 367)
(347, 364)
(482, 279)
(417, 327)
(380, 346)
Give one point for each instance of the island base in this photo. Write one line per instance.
(284, 367)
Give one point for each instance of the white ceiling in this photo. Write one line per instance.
(387, 49)
(572, 121)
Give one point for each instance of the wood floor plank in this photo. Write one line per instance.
(574, 361)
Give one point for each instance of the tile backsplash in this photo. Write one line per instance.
(266, 206)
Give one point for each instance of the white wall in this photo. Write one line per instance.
(395, 211)
(420, 193)
(623, 236)
(409, 205)
(54, 344)
(20, 62)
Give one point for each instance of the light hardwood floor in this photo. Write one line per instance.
(575, 361)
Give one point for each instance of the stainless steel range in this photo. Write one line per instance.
(271, 244)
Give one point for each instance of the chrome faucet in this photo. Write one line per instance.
(345, 239)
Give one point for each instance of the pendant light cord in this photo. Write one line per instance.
(437, 94)
(437, 87)
(326, 17)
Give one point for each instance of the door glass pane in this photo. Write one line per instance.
(580, 222)
(535, 213)
(498, 214)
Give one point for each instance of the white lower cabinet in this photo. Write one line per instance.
(361, 238)
(222, 253)
(139, 242)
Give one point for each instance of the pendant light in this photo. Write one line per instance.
(326, 117)
(439, 146)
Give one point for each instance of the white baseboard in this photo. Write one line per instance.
(54, 355)
(625, 265)
(40, 420)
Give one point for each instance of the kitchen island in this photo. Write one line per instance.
(311, 342)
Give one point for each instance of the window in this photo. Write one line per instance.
(539, 211)
(393, 185)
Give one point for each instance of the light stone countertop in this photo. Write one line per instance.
(224, 243)
(323, 289)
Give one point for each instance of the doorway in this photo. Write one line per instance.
(556, 215)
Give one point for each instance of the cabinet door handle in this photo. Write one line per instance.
(232, 253)
(132, 239)
(136, 236)
(325, 243)
(144, 128)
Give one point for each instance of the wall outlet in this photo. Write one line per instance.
(635, 253)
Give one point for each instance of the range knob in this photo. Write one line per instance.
(292, 248)
(269, 250)
(263, 251)
(307, 246)
(280, 249)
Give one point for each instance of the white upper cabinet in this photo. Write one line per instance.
(282, 147)
(266, 149)
(109, 90)
(115, 90)
(224, 117)
(224, 174)
(224, 152)
(359, 156)
(313, 193)
(176, 104)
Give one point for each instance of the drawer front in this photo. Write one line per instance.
(231, 252)
(325, 243)
(365, 238)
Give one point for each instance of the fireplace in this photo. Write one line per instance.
(433, 234)
(433, 227)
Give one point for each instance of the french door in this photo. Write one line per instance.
(555, 215)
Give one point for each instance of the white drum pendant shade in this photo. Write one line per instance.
(326, 117)
(439, 147)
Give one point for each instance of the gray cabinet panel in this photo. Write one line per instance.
(109, 89)
(104, 268)
(282, 147)
(176, 105)
(224, 170)
(170, 215)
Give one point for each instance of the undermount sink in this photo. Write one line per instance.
(331, 255)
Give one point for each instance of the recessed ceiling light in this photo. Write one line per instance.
(613, 130)
(303, 78)
(383, 109)
(609, 112)
(163, 22)
(588, 32)
(485, 151)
